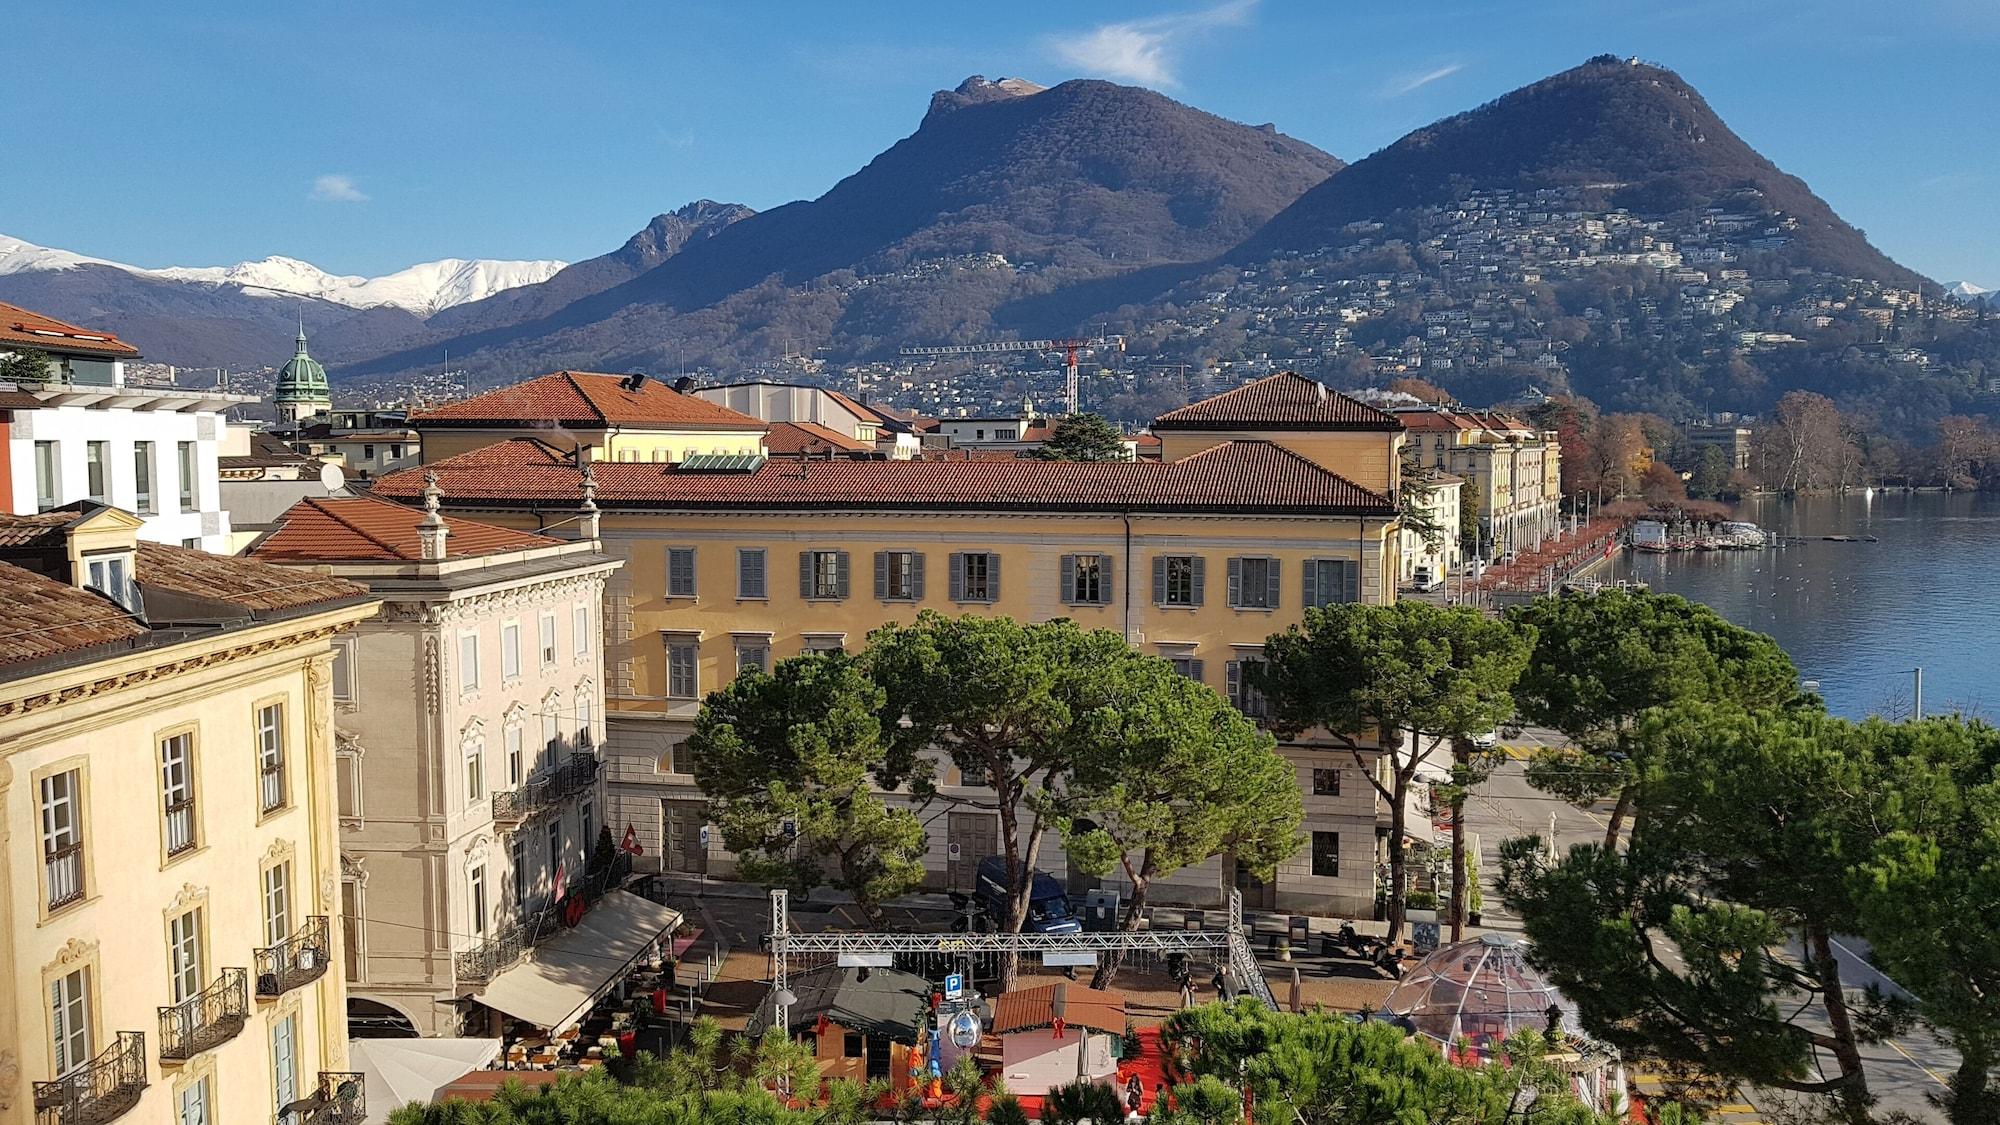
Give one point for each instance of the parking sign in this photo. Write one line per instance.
(954, 986)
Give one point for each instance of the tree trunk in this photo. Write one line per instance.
(1853, 1097)
(1619, 812)
(1114, 959)
(1019, 881)
(1972, 1095)
(1396, 860)
(1461, 761)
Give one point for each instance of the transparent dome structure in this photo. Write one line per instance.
(1476, 993)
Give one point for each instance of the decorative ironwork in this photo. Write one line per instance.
(547, 788)
(100, 1089)
(299, 959)
(64, 866)
(207, 1019)
(488, 959)
(340, 1100)
(271, 786)
(180, 826)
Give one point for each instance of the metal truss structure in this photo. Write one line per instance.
(1229, 946)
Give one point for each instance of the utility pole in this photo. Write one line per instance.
(1917, 691)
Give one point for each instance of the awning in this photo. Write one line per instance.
(396, 1072)
(565, 975)
(1416, 816)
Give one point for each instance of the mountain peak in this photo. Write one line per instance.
(667, 233)
(978, 90)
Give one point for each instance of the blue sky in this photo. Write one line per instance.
(366, 136)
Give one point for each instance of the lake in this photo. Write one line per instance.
(1857, 617)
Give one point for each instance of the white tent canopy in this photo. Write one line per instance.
(565, 975)
(399, 1071)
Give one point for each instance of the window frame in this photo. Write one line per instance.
(510, 651)
(1267, 595)
(476, 903)
(1314, 854)
(580, 619)
(987, 589)
(906, 586)
(1326, 781)
(48, 475)
(186, 971)
(168, 786)
(188, 462)
(683, 666)
(1092, 569)
(681, 579)
(545, 640)
(745, 569)
(761, 646)
(1172, 570)
(72, 1020)
(276, 884)
(469, 672)
(1312, 586)
(472, 773)
(145, 498)
(340, 671)
(1244, 697)
(274, 792)
(97, 471)
(825, 574)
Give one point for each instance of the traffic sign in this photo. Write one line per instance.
(954, 986)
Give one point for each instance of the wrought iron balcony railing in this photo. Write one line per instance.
(495, 955)
(340, 1099)
(64, 867)
(547, 788)
(180, 826)
(100, 1089)
(207, 1019)
(299, 959)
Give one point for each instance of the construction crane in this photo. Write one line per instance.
(1069, 349)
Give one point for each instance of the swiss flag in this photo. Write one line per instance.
(630, 844)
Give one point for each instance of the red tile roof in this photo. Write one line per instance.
(1240, 476)
(44, 617)
(1285, 401)
(1435, 421)
(244, 583)
(583, 398)
(796, 437)
(1025, 1009)
(19, 327)
(363, 529)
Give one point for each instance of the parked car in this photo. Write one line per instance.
(1486, 741)
(1048, 907)
(1424, 579)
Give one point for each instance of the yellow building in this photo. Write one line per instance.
(169, 872)
(613, 417)
(1256, 513)
(1512, 472)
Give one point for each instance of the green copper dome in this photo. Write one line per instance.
(302, 379)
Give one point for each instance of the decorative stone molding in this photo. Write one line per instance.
(75, 951)
(187, 898)
(10, 1069)
(168, 669)
(280, 851)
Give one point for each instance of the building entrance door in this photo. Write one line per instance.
(969, 838)
(682, 833)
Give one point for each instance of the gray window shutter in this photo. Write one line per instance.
(1104, 580)
(1194, 670)
(805, 574)
(1159, 579)
(841, 572)
(992, 577)
(957, 580)
(1232, 676)
(1351, 587)
(917, 575)
(1271, 599)
(1235, 582)
(1068, 574)
(1309, 583)
(1200, 579)
(882, 574)
(750, 576)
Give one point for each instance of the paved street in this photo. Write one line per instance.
(1901, 1071)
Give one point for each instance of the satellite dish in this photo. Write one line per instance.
(331, 478)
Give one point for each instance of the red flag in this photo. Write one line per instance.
(630, 844)
(562, 880)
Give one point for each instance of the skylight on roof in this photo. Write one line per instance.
(722, 462)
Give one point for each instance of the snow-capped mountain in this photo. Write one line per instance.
(1967, 291)
(424, 289)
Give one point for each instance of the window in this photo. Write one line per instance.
(1247, 699)
(546, 635)
(579, 624)
(142, 477)
(475, 771)
(588, 815)
(510, 742)
(551, 732)
(681, 669)
(477, 884)
(184, 956)
(1326, 854)
(284, 1062)
(193, 1105)
(750, 573)
(343, 671)
(1253, 583)
(680, 758)
(586, 734)
(353, 929)
(277, 903)
(753, 654)
(46, 481)
(1187, 666)
(271, 757)
(975, 577)
(367, 452)
(395, 453)
(187, 476)
(177, 791)
(96, 469)
(347, 783)
(1178, 579)
(899, 576)
(851, 1045)
(468, 664)
(1086, 579)
(555, 847)
(1326, 782)
(111, 575)
(680, 572)
(510, 651)
(1331, 581)
(69, 1020)
(825, 642)
(517, 855)
(62, 837)
(823, 575)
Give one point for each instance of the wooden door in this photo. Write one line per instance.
(684, 820)
(974, 836)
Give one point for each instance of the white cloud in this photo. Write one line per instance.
(336, 189)
(1146, 51)
(1411, 83)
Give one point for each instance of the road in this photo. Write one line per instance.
(1901, 1071)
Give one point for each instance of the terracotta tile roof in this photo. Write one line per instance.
(589, 399)
(1240, 476)
(40, 529)
(18, 326)
(1435, 421)
(43, 617)
(795, 437)
(244, 583)
(361, 529)
(1025, 1009)
(1285, 401)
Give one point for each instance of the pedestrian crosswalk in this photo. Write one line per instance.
(1724, 1103)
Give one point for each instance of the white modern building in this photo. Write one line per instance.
(77, 431)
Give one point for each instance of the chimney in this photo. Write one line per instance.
(432, 532)
(683, 384)
(587, 524)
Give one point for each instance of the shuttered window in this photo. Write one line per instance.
(899, 576)
(1178, 579)
(1330, 582)
(69, 1012)
(1247, 699)
(750, 573)
(823, 575)
(681, 665)
(1187, 666)
(680, 572)
(975, 576)
(1086, 579)
(1253, 583)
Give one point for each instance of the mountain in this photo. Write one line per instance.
(1967, 291)
(1005, 189)
(1619, 132)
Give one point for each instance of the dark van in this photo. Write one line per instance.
(1048, 907)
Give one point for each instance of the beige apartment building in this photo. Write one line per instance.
(468, 714)
(169, 871)
(1512, 472)
(1269, 500)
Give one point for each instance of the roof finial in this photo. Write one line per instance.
(431, 531)
(587, 523)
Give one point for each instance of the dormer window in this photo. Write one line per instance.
(111, 575)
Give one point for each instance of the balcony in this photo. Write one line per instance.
(180, 826)
(488, 959)
(100, 1089)
(547, 789)
(340, 1100)
(64, 868)
(207, 1019)
(299, 959)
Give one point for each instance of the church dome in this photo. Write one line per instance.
(302, 379)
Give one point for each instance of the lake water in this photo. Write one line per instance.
(1858, 616)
